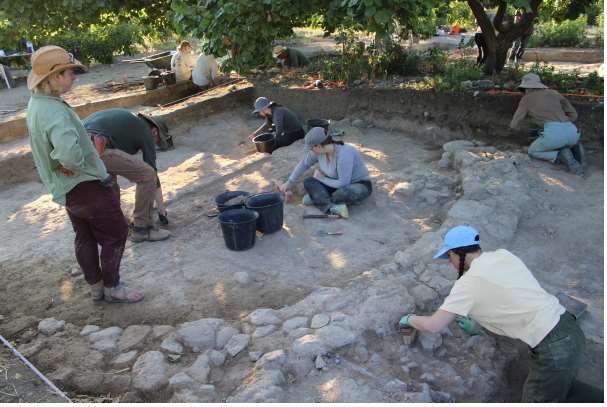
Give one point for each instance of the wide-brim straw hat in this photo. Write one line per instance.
(532, 81)
(48, 60)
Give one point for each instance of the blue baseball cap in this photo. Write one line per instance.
(260, 104)
(458, 236)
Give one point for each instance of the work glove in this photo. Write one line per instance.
(468, 326)
(404, 321)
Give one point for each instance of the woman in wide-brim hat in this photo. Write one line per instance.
(558, 139)
(72, 171)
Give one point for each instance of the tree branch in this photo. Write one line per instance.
(482, 19)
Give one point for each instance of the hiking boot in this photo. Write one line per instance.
(565, 157)
(149, 234)
(97, 291)
(579, 153)
(340, 209)
(122, 294)
(164, 221)
(307, 200)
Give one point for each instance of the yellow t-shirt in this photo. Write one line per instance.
(500, 293)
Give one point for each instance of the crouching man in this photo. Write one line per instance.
(118, 134)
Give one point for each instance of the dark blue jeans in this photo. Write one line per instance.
(324, 197)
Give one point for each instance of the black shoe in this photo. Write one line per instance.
(164, 221)
(579, 153)
(565, 157)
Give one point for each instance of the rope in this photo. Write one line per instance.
(33, 368)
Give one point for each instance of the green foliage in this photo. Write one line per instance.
(453, 74)
(561, 10)
(569, 33)
(568, 82)
(99, 43)
(315, 21)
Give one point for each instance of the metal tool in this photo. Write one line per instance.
(328, 233)
(321, 216)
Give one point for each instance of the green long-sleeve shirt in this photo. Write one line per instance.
(57, 137)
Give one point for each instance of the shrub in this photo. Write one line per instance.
(568, 82)
(453, 74)
(569, 33)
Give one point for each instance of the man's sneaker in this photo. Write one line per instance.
(565, 156)
(340, 209)
(149, 234)
(97, 291)
(579, 153)
(122, 294)
(307, 200)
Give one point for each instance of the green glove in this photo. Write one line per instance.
(468, 325)
(404, 321)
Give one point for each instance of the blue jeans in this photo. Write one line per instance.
(324, 197)
(554, 137)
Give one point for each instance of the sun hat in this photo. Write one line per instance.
(48, 60)
(166, 140)
(315, 136)
(532, 81)
(458, 236)
(260, 104)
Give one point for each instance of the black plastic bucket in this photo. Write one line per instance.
(238, 227)
(221, 199)
(269, 205)
(265, 143)
(315, 122)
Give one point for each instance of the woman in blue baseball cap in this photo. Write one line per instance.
(497, 291)
(286, 125)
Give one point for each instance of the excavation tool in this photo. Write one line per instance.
(408, 333)
(320, 216)
(573, 306)
(328, 233)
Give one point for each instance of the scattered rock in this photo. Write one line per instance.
(237, 343)
(181, 381)
(89, 329)
(242, 277)
(158, 331)
(272, 360)
(430, 341)
(294, 323)
(30, 349)
(133, 337)
(299, 332)
(361, 353)
(202, 393)
(93, 360)
(320, 363)
(150, 372)
(405, 189)
(75, 271)
(423, 295)
(224, 335)
(131, 397)
(457, 145)
(87, 382)
(320, 320)
(264, 316)
(170, 345)
(217, 358)
(335, 336)
(105, 340)
(200, 369)
(116, 384)
(309, 345)
(263, 331)
(428, 377)
(50, 326)
(199, 335)
(62, 376)
(254, 356)
(124, 360)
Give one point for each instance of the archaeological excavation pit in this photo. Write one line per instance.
(299, 293)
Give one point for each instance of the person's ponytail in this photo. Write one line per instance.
(329, 140)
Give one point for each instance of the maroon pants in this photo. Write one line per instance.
(97, 220)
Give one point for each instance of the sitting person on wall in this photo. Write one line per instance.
(183, 62)
(288, 128)
(558, 139)
(498, 292)
(343, 178)
(206, 71)
(118, 134)
(291, 57)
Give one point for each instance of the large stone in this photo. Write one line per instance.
(170, 345)
(181, 381)
(272, 360)
(133, 337)
(309, 345)
(50, 326)
(150, 372)
(116, 384)
(335, 336)
(89, 329)
(237, 343)
(217, 358)
(199, 335)
(224, 335)
(30, 349)
(423, 295)
(158, 331)
(319, 363)
(200, 369)
(124, 360)
(264, 387)
(93, 360)
(106, 340)
(458, 145)
(294, 323)
(430, 341)
(203, 393)
(320, 320)
(264, 316)
(62, 376)
(263, 331)
(87, 382)
(404, 189)
(299, 332)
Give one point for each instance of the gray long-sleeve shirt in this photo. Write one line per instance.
(346, 167)
(542, 106)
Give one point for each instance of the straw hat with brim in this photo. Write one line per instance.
(166, 140)
(48, 60)
(532, 81)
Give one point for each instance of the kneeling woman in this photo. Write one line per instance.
(342, 180)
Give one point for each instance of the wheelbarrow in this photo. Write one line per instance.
(161, 60)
